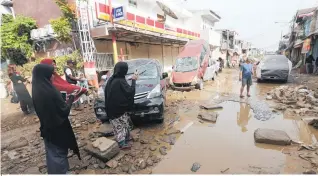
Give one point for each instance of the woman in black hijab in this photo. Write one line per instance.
(53, 112)
(22, 92)
(119, 99)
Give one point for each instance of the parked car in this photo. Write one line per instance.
(192, 66)
(274, 67)
(149, 101)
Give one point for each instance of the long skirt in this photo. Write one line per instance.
(56, 158)
(121, 128)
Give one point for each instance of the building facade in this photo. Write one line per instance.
(148, 30)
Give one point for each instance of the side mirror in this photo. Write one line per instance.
(164, 75)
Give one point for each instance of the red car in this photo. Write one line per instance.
(191, 66)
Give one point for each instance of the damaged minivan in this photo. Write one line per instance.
(193, 66)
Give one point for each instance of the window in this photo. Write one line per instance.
(132, 3)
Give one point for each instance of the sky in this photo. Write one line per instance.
(254, 20)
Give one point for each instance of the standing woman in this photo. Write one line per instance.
(22, 92)
(53, 113)
(119, 99)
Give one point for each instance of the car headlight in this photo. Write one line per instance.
(194, 81)
(156, 92)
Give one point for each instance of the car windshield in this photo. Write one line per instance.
(186, 64)
(146, 70)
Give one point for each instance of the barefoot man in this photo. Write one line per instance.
(246, 76)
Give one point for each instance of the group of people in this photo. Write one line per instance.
(53, 110)
(311, 65)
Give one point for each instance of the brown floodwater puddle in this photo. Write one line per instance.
(229, 143)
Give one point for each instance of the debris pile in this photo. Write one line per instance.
(300, 99)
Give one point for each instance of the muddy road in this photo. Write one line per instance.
(224, 146)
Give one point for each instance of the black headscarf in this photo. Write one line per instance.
(52, 110)
(119, 95)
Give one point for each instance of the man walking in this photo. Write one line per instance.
(69, 73)
(246, 76)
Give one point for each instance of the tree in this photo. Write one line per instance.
(62, 28)
(15, 37)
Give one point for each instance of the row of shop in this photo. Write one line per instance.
(303, 38)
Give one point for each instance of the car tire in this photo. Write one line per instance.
(159, 121)
(259, 80)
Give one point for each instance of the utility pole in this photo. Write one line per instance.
(115, 54)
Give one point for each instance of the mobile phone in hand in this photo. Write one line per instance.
(64, 95)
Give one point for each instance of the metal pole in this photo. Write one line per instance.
(115, 55)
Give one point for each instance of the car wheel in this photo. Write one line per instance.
(259, 80)
(160, 120)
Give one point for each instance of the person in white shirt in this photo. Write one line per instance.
(70, 74)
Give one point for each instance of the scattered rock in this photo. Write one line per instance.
(152, 148)
(163, 150)
(96, 166)
(208, 116)
(172, 131)
(269, 97)
(92, 120)
(102, 165)
(119, 156)
(142, 164)
(210, 106)
(314, 123)
(125, 168)
(144, 141)
(105, 128)
(303, 91)
(269, 136)
(22, 142)
(32, 170)
(149, 162)
(195, 167)
(310, 172)
(144, 172)
(103, 148)
(155, 159)
(112, 164)
(77, 125)
(135, 134)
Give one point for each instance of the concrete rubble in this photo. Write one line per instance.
(270, 136)
(298, 99)
(103, 148)
(208, 116)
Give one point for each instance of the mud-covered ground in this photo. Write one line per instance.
(226, 146)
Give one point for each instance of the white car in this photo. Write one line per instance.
(211, 70)
(274, 67)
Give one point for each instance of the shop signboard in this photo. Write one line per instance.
(119, 13)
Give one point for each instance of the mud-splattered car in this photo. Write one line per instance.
(274, 67)
(193, 66)
(149, 101)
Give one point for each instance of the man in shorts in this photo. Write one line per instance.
(246, 76)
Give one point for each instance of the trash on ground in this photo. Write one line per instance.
(223, 171)
(195, 167)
